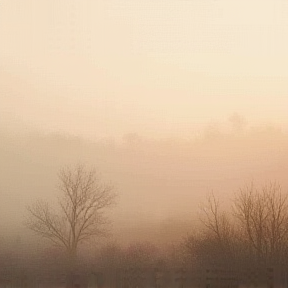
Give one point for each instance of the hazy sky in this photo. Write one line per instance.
(159, 68)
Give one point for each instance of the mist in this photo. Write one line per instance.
(177, 105)
(161, 183)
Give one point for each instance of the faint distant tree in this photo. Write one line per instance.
(141, 254)
(81, 215)
(238, 122)
(212, 131)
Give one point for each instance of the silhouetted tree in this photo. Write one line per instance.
(82, 211)
(255, 234)
(218, 227)
(263, 216)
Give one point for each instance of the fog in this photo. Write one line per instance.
(160, 183)
(169, 101)
(103, 69)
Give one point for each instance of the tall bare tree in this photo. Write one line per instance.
(81, 216)
(220, 231)
(263, 215)
(255, 235)
(217, 221)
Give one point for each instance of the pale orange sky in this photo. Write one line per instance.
(159, 68)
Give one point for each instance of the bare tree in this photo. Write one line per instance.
(255, 235)
(277, 221)
(263, 216)
(81, 213)
(219, 229)
(217, 221)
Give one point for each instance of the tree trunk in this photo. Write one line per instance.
(71, 280)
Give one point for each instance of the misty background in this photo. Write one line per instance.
(161, 183)
(169, 100)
